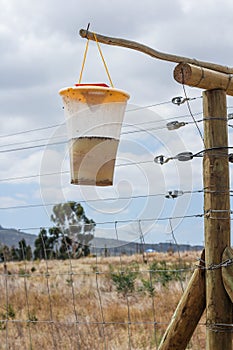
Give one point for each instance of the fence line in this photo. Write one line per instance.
(77, 304)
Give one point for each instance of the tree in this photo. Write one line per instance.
(5, 253)
(14, 254)
(24, 251)
(43, 246)
(75, 229)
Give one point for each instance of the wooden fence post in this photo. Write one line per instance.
(217, 217)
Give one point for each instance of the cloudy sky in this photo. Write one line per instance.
(42, 52)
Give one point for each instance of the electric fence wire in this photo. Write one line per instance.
(32, 141)
(48, 144)
(117, 165)
(31, 130)
(67, 172)
(62, 124)
(198, 154)
(187, 216)
(124, 126)
(25, 206)
(136, 125)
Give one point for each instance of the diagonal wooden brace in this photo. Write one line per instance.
(187, 314)
(227, 271)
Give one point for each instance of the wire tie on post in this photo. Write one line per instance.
(223, 118)
(220, 327)
(201, 78)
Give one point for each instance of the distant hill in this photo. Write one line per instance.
(115, 247)
(11, 237)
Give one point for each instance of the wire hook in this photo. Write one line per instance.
(88, 26)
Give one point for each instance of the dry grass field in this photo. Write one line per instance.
(116, 303)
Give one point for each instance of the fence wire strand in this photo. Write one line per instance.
(49, 294)
(100, 305)
(5, 273)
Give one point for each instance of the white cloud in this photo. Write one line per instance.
(8, 201)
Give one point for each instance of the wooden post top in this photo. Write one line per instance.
(203, 78)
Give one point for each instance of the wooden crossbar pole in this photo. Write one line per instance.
(152, 52)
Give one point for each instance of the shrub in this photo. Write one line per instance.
(124, 281)
(9, 314)
(163, 274)
(148, 287)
